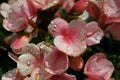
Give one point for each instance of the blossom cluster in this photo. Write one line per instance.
(67, 23)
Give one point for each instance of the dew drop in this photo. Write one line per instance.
(52, 22)
(28, 63)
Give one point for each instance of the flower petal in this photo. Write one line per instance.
(79, 6)
(16, 19)
(19, 43)
(28, 7)
(57, 26)
(71, 48)
(62, 77)
(73, 41)
(114, 31)
(111, 9)
(25, 64)
(56, 62)
(94, 33)
(98, 66)
(93, 9)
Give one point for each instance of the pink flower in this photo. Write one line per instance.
(18, 15)
(98, 67)
(43, 60)
(74, 37)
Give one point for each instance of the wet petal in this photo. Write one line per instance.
(10, 75)
(94, 33)
(73, 41)
(31, 49)
(71, 48)
(112, 10)
(57, 26)
(25, 64)
(56, 62)
(16, 19)
(98, 66)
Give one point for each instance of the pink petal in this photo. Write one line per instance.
(76, 63)
(73, 41)
(95, 78)
(113, 30)
(11, 1)
(18, 25)
(19, 42)
(79, 6)
(57, 26)
(71, 48)
(98, 66)
(28, 7)
(56, 62)
(16, 20)
(111, 9)
(67, 5)
(63, 76)
(94, 33)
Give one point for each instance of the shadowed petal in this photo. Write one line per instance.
(114, 31)
(56, 62)
(76, 63)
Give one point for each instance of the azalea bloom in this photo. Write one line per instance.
(98, 67)
(73, 38)
(43, 60)
(18, 15)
